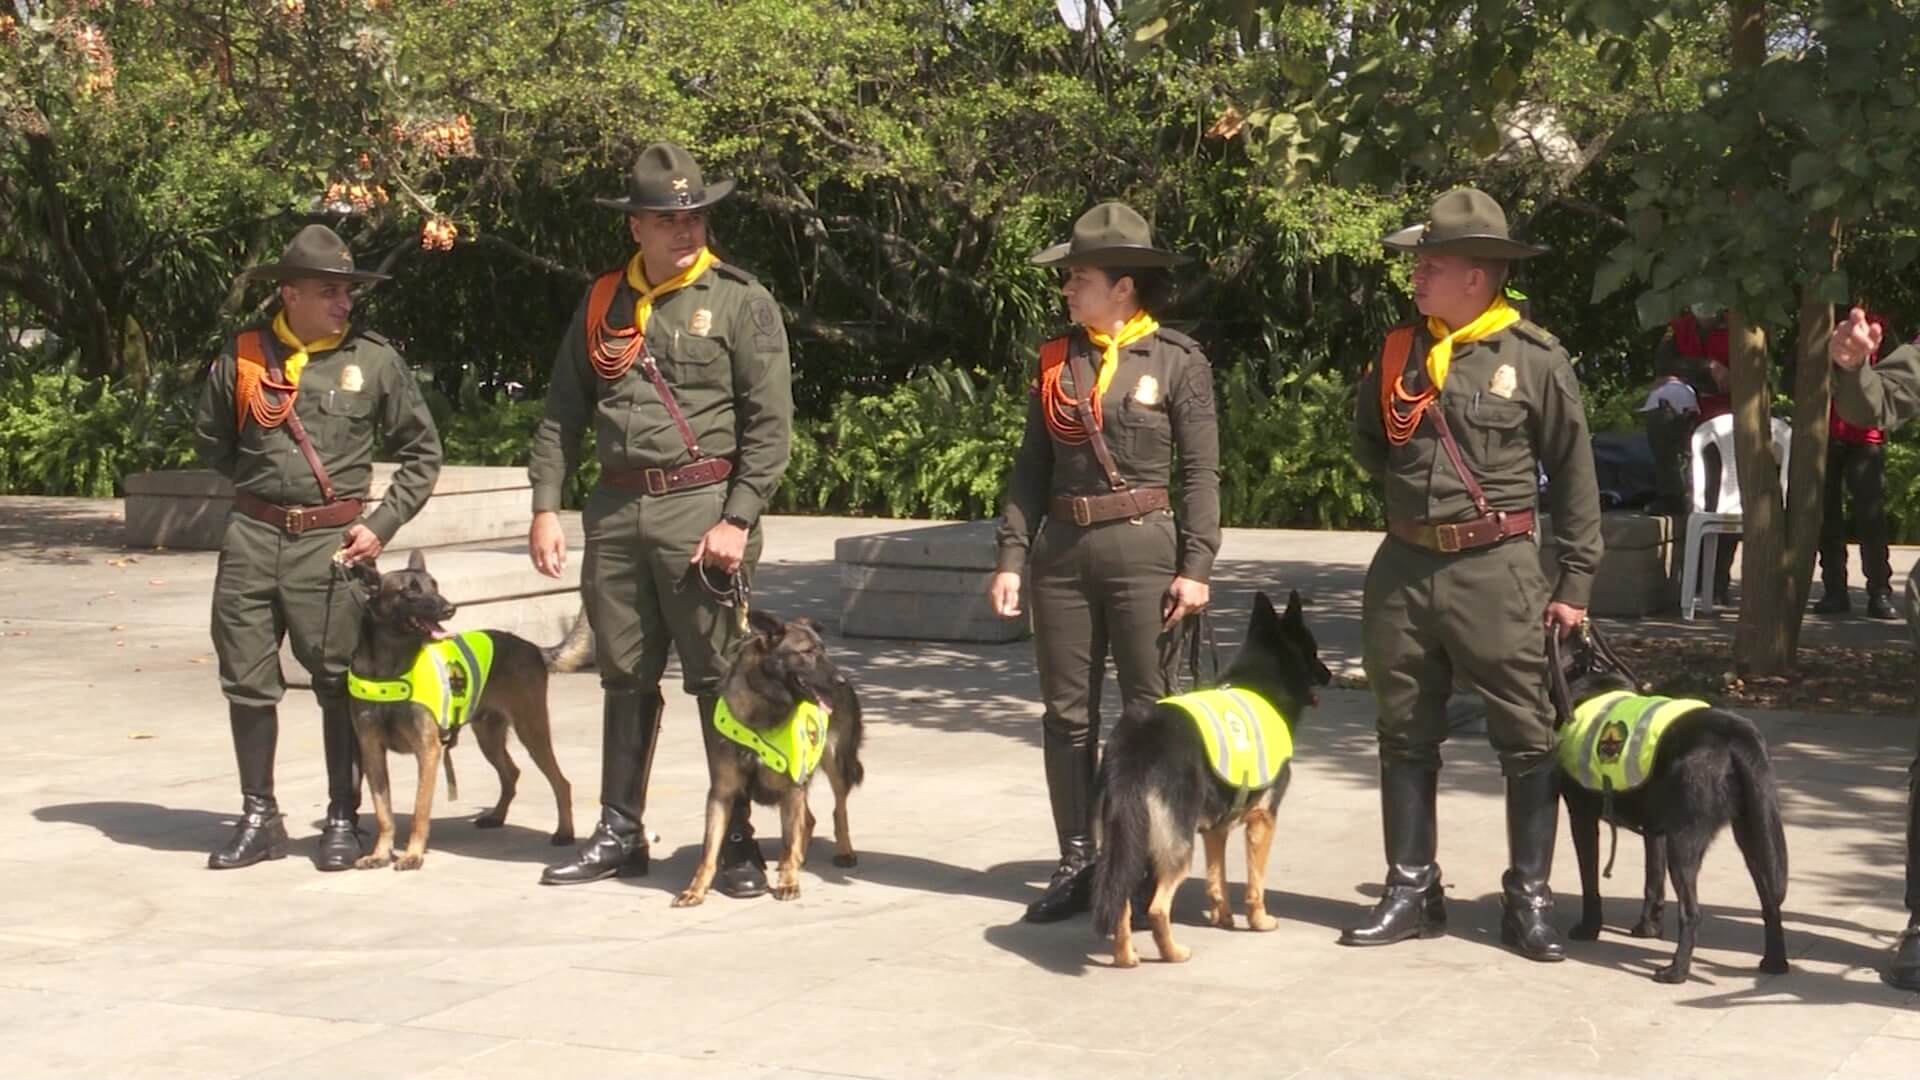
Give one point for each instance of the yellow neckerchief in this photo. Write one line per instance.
(299, 359)
(1136, 328)
(1498, 316)
(637, 280)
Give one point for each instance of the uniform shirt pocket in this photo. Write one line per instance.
(1499, 433)
(1144, 430)
(694, 360)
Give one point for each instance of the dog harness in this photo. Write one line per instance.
(1610, 743)
(447, 678)
(1248, 741)
(793, 749)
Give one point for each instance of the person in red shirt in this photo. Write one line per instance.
(1856, 468)
(1694, 350)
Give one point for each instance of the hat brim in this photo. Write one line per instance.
(715, 192)
(1116, 256)
(278, 272)
(1413, 239)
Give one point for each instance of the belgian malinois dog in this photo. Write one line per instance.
(780, 666)
(403, 613)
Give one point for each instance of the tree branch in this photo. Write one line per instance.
(573, 273)
(33, 287)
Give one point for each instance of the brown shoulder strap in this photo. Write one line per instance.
(660, 387)
(1479, 497)
(1087, 386)
(277, 372)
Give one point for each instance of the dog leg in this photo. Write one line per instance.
(1653, 906)
(1160, 914)
(536, 734)
(1755, 848)
(429, 756)
(842, 839)
(793, 830)
(1585, 827)
(1683, 864)
(719, 801)
(373, 766)
(1215, 841)
(1124, 955)
(490, 731)
(1259, 846)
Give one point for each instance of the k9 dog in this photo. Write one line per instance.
(414, 686)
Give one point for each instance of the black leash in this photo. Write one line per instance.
(1194, 630)
(734, 591)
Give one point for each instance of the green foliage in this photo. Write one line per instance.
(63, 434)
(1286, 455)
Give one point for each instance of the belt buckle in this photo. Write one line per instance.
(1082, 511)
(1448, 537)
(654, 481)
(296, 522)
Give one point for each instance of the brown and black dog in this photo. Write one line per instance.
(779, 666)
(402, 614)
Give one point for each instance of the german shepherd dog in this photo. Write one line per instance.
(403, 612)
(1710, 770)
(779, 665)
(1157, 789)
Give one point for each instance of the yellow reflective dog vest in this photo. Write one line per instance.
(447, 678)
(1610, 742)
(793, 749)
(1247, 740)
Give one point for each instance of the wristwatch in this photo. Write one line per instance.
(736, 521)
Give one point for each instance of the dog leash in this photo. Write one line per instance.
(736, 594)
(1194, 629)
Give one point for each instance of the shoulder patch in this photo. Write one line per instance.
(1535, 333)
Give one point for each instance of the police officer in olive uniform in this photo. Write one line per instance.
(678, 364)
(1886, 395)
(292, 413)
(1088, 515)
(1456, 591)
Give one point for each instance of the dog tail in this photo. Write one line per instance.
(1760, 804)
(1126, 835)
(847, 709)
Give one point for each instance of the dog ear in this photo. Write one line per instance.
(417, 560)
(1293, 616)
(765, 626)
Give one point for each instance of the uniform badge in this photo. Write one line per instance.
(351, 379)
(701, 323)
(1504, 382)
(1147, 390)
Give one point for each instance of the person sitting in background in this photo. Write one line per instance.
(1693, 355)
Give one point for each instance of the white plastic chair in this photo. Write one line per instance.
(1723, 518)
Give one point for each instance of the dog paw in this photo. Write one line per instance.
(1585, 931)
(1773, 965)
(371, 862)
(786, 892)
(561, 839)
(690, 898)
(1649, 928)
(489, 821)
(849, 859)
(1261, 921)
(1220, 917)
(409, 861)
(1128, 959)
(1176, 954)
(1672, 973)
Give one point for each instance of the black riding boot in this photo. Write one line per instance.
(1070, 790)
(1533, 817)
(1904, 972)
(340, 837)
(1414, 904)
(629, 733)
(260, 833)
(742, 872)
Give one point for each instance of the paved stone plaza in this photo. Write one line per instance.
(121, 956)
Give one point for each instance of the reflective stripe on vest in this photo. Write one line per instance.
(447, 678)
(1610, 742)
(793, 749)
(1247, 740)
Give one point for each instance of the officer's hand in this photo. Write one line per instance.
(724, 547)
(547, 544)
(1184, 597)
(1564, 619)
(1003, 592)
(359, 545)
(1854, 339)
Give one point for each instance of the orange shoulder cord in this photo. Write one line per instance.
(251, 381)
(612, 352)
(1056, 408)
(1400, 412)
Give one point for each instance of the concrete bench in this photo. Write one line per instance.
(1636, 576)
(923, 584)
(186, 509)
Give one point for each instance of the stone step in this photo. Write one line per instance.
(186, 509)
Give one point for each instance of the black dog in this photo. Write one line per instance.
(1709, 770)
(1158, 788)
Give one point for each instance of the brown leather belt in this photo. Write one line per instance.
(1481, 532)
(1086, 510)
(701, 473)
(294, 520)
